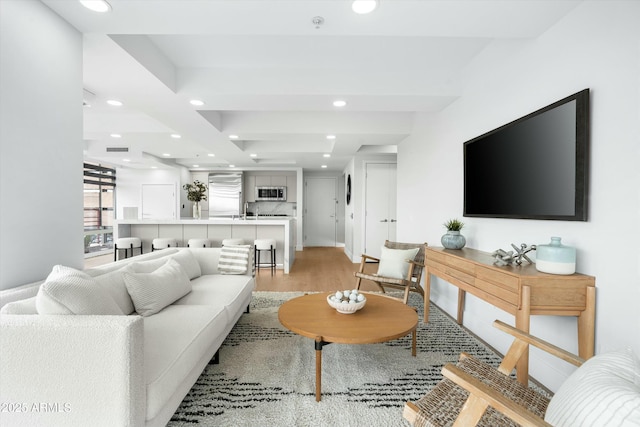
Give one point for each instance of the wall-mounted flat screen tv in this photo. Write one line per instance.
(535, 167)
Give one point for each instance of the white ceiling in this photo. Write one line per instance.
(268, 75)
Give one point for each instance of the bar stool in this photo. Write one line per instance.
(232, 242)
(163, 243)
(199, 243)
(265, 245)
(125, 244)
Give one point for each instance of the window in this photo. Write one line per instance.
(99, 208)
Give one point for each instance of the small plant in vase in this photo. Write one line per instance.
(196, 193)
(453, 239)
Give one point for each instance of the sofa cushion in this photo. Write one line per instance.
(184, 257)
(393, 262)
(175, 340)
(232, 292)
(188, 262)
(113, 283)
(69, 291)
(605, 390)
(25, 306)
(151, 292)
(234, 259)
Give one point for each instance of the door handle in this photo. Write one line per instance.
(384, 220)
(393, 220)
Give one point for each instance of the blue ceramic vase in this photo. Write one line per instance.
(556, 258)
(453, 240)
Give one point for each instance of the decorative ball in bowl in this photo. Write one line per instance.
(347, 302)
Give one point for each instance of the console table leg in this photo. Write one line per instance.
(427, 296)
(523, 317)
(461, 295)
(586, 325)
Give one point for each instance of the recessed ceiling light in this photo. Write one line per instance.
(253, 155)
(232, 166)
(196, 102)
(196, 166)
(96, 5)
(323, 166)
(211, 155)
(233, 136)
(339, 103)
(126, 160)
(166, 155)
(364, 6)
(175, 136)
(154, 167)
(326, 155)
(116, 135)
(114, 102)
(331, 137)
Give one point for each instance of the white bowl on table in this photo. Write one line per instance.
(346, 307)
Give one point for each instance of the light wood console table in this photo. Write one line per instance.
(520, 290)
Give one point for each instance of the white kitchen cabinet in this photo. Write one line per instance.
(278, 180)
(292, 188)
(249, 188)
(263, 180)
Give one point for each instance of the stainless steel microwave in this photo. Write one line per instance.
(271, 194)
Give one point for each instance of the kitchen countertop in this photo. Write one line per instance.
(276, 220)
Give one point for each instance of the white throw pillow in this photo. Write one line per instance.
(393, 262)
(189, 263)
(24, 306)
(604, 391)
(234, 259)
(70, 291)
(113, 282)
(151, 292)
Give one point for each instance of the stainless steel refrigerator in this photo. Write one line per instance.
(225, 194)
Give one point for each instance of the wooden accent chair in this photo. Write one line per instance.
(473, 393)
(410, 282)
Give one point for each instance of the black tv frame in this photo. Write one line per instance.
(581, 195)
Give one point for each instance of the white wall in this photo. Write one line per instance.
(597, 46)
(129, 187)
(41, 169)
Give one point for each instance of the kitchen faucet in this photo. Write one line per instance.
(246, 207)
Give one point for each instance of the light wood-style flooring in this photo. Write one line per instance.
(315, 269)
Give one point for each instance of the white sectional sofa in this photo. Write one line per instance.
(120, 368)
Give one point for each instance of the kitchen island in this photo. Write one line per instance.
(216, 230)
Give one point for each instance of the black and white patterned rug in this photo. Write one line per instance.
(266, 375)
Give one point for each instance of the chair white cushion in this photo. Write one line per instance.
(234, 259)
(70, 291)
(604, 391)
(393, 262)
(23, 306)
(151, 292)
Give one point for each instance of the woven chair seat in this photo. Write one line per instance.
(375, 278)
(441, 406)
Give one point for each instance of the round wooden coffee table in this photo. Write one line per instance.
(381, 319)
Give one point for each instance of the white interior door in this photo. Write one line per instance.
(159, 201)
(380, 206)
(320, 211)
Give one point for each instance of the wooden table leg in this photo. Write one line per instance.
(427, 296)
(523, 318)
(319, 345)
(586, 325)
(413, 342)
